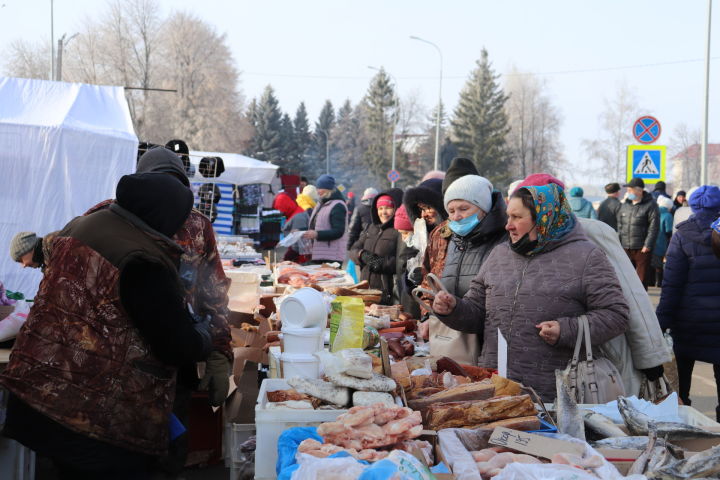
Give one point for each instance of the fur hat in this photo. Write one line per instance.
(428, 192)
(458, 168)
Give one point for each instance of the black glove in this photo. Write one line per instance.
(653, 373)
(366, 257)
(202, 328)
(217, 378)
(415, 276)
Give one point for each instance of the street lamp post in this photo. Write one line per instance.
(703, 145)
(437, 119)
(327, 150)
(395, 119)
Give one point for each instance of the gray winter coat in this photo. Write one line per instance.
(514, 293)
(638, 224)
(465, 255)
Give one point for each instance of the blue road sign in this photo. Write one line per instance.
(647, 129)
(393, 176)
(646, 162)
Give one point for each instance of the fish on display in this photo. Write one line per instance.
(637, 423)
(703, 464)
(659, 457)
(640, 464)
(569, 420)
(638, 443)
(601, 424)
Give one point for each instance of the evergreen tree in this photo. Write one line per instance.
(287, 145)
(378, 116)
(251, 116)
(268, 119)
(323, 133)
(480, 124)
(302, 137)
(346, 141)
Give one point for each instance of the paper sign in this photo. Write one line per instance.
(533, 444)
(502, 355)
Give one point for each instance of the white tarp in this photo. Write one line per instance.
(239, 169)
(63, 148)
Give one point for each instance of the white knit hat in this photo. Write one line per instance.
(471, 188)
(665, 202)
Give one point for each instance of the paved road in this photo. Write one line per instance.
(703, 392)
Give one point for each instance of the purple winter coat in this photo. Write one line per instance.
(513, 293)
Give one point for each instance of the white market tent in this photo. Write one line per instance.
(63, 148)
(239, 169)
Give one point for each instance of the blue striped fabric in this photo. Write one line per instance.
(224, 221)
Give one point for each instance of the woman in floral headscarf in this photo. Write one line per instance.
(534, 287)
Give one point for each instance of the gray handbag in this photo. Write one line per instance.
(593, 380)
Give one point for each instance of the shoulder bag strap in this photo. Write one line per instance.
(589, 364)
(573, 373)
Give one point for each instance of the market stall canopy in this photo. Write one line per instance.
(63, 148)
(239, 169)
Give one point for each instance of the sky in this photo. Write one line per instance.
(315, 50)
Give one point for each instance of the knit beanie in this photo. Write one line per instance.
(385, 201)
(311, 192)
(402, 221)
(706, 197)
(162, 160)
(458, 168)
(369, 192)
(540, 179)
(21, 244)
(326, 182)
(576, 192)
(433, 174)
(305, 202)
(471, 188)
(612, 187)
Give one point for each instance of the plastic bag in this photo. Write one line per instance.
(377, 322)
(346, 323)
(10, 325)
(399, 465)
(350, 361)
(336, 467)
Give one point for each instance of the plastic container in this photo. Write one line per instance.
(300, 365)
(269, 424)
(302, 340)
(242, 283)
(304, 309)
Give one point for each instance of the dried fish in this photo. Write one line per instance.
(704, 464)
(637, 422)
(601, 424)
(640, 464)
(638, 443)
(569, 420)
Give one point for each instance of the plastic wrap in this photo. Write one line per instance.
(346, 323)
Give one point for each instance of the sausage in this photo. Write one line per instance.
(446, 364)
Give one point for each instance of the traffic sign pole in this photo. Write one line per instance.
(647, 129)
(646, 162)
(393, 176)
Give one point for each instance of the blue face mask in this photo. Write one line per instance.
(464, 226)
(632, 196)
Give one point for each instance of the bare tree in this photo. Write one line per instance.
(534, 122)
(615, 133)
(27, 60)
(685, 155)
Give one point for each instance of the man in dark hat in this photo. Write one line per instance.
(660, 190)
(92, 376)
(608, 209)
(638, 223)
(205, 289)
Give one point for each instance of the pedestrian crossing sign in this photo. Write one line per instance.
(646, 162)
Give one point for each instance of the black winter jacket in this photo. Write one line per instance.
(381, 240)
(361, 218)
(465, 255)
(608, 210)
(638, 224)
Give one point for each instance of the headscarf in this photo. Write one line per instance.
(286, 205)
(554, 217)
(305, 201)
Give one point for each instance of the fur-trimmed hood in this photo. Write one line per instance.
(428, 192)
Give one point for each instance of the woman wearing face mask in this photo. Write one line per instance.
(476, 218)
(375, 251)
(534, 287)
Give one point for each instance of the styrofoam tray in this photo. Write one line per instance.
(271, 423)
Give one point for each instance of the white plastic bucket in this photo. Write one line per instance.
(302, 340)
(303, 309)
(300, 365)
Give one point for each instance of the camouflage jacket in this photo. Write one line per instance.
(206, 285)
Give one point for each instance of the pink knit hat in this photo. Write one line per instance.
(538, 180)
(402, 221)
